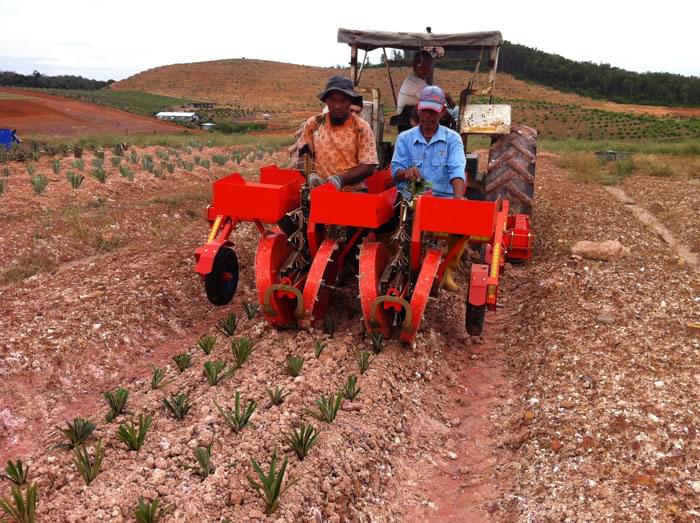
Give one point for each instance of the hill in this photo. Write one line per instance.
(276, 87)
(257, 86)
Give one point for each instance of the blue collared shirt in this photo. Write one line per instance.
(440, 161)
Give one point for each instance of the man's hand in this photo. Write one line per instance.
(315, 180)
(410, 174)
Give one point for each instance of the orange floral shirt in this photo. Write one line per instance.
(339, 148)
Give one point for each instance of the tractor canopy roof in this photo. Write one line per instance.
(369, 40)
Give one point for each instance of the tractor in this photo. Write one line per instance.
(308, 237)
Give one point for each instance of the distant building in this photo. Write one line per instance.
(178, 116)
(208, 126)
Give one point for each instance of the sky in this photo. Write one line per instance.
(107, 39)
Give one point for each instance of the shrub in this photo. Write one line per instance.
(178, 405)
(237, 418)
(277, 395)
(364, 358)
(39, 183)
(294, 365)
(227, 326)
(22, 507)
(77, 431)
(75, 180)
(132, 436)
(157, 378)
(116, 401)
(16, 472)
(216, 372)
(349, 389)
(88, 466)
(318, 348)
(206, 343)
(251, 309)
(182, 361)
(99, 174)
(241, 349)
(327, 407)
(269, 486)
(301, 439)
(203, 456)
(147, 511)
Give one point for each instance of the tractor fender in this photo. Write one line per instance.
(204, 256)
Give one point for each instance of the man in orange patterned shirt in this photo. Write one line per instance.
(342, 143)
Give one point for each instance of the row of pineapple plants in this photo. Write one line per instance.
(21, 505)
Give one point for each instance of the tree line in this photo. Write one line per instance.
(584, 78)
(38, 80)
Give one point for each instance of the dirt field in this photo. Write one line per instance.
(32, 113)
(579, 403)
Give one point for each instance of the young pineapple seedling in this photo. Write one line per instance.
(56, 166)
(22, 507)
(277, 395)
(157, 377)
(133, 157)
(182, 361)
(327, 407)
(206, 343)
(269, 486)
(227, 326)
(376, 339)
(98, 163)
(132, 436)
(318, 348)
(350, 389)
(39, 183)
(147, 511)
(116, 161)
(99, 174)
(294, 365)
(88, 466)
(3, 183)
(364, 358)
(75, 180)
(117, 402)
(251, 310)
(178, 405)
(329, 326)
(79, 164)
(16, 472)
(237, 418)
(241, 349)
(77, 432)
(6, 171)
(31, 169)
(216, 372)
(126, 172)
(203, 455)
(301, 439)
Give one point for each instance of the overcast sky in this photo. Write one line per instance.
(102, 40)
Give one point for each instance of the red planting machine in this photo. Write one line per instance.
(310, 238)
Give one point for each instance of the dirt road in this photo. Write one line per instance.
(579, 403)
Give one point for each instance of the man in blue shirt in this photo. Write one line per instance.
(434, 153)
(430, 151)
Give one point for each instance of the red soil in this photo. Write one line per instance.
(42, 114)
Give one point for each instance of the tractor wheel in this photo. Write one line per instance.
(511, 170)
(220, 284)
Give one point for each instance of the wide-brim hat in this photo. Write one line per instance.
(338, 83)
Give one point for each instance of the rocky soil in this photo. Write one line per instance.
(579, 402)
